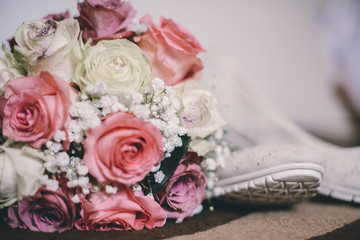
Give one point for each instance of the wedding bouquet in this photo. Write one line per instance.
(104, 125)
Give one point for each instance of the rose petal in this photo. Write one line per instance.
(106, 148)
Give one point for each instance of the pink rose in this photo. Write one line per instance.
(122, 149)
(47, 211)
(102, 18)
(171, 50)
(36, 107)
(185, 189)
(124, 210)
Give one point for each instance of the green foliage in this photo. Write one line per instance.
(168, 167)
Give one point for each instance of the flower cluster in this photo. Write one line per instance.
(103, 124)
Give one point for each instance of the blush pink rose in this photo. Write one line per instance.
(124, 210)
(102, 18)
(35, 108)
(123, 149)
(172, 51)
(46, 211)
(185, 189)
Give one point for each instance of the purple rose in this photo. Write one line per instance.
(47, 211)
(185, 189)
(102, 18)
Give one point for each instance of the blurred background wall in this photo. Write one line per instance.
(278, 45)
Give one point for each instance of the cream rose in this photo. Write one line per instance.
(9, 68)
(20, 172)
(48, 45)
(198, 113)
(118, 63)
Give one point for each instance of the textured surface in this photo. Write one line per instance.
(271, 190)
(303, 221)
(237, 221)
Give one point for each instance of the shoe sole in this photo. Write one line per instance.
(288, 183)
(340, 192)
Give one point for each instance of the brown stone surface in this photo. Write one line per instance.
(236, 221)
(302, 221)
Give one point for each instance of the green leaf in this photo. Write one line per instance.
(168, 166)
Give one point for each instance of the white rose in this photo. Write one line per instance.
(48, 45)
(9, 68)
(19, 174)
(198, 113)
(200, 146)
(119, 63)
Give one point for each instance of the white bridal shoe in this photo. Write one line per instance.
(270, 174)
(258, 122)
